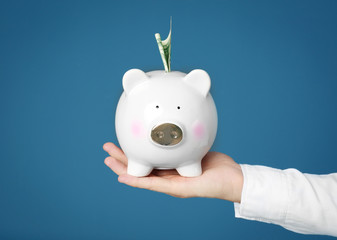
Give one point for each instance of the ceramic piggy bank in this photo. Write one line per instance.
(166, 120)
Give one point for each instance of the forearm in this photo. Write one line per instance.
(302, 203)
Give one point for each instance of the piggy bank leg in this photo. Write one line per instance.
(191, 170)
(137, 169)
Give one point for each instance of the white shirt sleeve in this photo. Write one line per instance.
(303, 203)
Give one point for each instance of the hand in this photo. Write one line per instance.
(221, 178)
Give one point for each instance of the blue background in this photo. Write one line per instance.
(273, 66)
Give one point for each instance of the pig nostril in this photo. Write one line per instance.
(174, 134)
(160, 134)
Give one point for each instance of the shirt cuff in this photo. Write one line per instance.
(264, 195)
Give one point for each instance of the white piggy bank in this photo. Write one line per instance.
(166, 120)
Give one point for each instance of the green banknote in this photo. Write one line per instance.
(165, 49)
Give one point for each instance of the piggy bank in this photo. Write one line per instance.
(166, 120)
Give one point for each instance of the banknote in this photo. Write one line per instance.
(165, 49)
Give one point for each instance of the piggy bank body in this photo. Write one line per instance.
(166, 120)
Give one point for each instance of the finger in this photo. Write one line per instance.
(158, 184)
(115, 152)
(115, 165)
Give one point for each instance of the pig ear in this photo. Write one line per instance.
(200, 80)
(132, 78)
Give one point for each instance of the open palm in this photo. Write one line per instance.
(221, 178)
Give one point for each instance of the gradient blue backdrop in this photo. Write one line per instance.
(273, 66)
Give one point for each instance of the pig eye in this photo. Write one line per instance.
(157, 106)
(178, 107)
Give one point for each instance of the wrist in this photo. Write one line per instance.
(237, 185)
(232, 183)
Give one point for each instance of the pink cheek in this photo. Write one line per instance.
(136, 129)
(199, 130)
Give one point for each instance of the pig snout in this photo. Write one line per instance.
(167, 134)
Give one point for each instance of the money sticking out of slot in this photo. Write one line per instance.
(165, 49)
